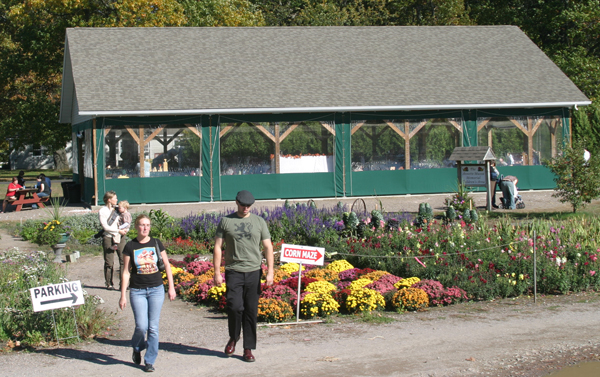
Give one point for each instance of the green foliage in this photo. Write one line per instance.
(350, 220)
(467, 216)
(376, 218)
(222, 13)
(162, 224)
(20, 271)
(451, 213)
(474, 216)
(577, 181)
(425, 215)
(461, 199)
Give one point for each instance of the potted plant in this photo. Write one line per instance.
(54, 232)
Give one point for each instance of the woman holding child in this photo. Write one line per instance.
(112, 238)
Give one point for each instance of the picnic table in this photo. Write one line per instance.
(24, 198)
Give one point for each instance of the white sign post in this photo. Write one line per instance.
(302, 254)
(54, 296)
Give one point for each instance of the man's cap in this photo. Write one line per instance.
(245, 198)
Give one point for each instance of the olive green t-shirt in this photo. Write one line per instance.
(243, 238)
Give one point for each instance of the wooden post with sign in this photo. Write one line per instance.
(473, 168)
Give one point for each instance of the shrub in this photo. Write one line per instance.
(274, 310)
(410, 299)
(322, 274)
(434, 289)
(20, 271)
(339, 265)
(318, 304)
(320, 286)
(384, 284)
(364, 300)
(406, 283)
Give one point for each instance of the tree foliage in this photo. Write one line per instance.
(222, 13)
(577, 181)
(32, 35)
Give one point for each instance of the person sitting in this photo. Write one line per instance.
(43, 191)
(11, 193)
(21, 178)
(48, 183)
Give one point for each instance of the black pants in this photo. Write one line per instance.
(243, 291)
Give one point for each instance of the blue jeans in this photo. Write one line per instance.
(508, 192)
(146, 304)
(42, 195)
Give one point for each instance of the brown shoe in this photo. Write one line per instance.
(230, 347)
(248, 356)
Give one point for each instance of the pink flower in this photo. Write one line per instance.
(592, 273)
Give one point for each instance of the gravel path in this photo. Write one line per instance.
(512, 337)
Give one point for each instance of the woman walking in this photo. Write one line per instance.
(146, 291)
(108, 216)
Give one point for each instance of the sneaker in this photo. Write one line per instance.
(148, 368)
(34, 206)
(136, 357)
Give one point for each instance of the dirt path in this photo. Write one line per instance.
(512, 337)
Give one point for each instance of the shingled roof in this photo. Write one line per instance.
(177, 71)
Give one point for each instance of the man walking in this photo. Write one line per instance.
(243, 233)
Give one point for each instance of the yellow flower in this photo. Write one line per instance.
(339, 265)
(359, 283)
(405, 283)
(320, 287)
(291, 267)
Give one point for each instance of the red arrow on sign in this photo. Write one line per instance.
(308, 255)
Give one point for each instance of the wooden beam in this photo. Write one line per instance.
(480, 126)
(152, 135)
(264, 131)
(288, 131)
(132, 133)
(106, 131)
(328, 128)
(95, 162)
(194, 130)
(277, 149)
(407, 145)
(417, 129)
(141, 145)
(519, 126)
(355, 128)
(395, 128)
(226, 129)
(457, 126)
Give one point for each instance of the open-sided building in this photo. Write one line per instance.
(196, 114)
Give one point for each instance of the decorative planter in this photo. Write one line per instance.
(58, 248)
(64, 237)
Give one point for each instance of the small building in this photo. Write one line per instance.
(196, 114)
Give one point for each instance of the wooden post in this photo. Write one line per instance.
(95, 154)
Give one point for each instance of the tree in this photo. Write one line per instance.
(222, 13)
(577, 181)
(32, 35)
(428, 12)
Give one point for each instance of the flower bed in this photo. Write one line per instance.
(325, 291)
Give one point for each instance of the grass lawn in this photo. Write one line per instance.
(30, 175)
